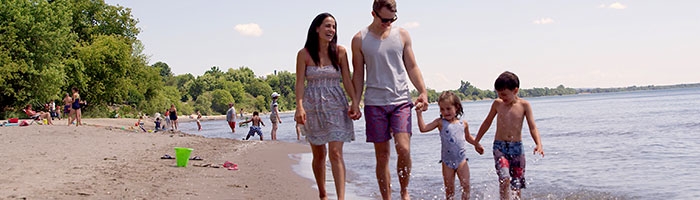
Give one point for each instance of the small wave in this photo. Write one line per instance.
(591, 133)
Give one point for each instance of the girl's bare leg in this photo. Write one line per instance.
(318, 165)
(78, 117)
(463, 174)
(448, 177)
(338, 167)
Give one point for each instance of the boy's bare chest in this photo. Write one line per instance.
(512, 112)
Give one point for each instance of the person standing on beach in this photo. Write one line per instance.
(173, 117)
(241, 113)
(454, 136)
(322, 105)
(67, 102)
(199, 123)
(168, 123)
(386, 54)
(231, 117)
(274, 115)
(75, 108)
(507, 145)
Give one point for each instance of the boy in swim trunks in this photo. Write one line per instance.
(507, 145)
(255, 128)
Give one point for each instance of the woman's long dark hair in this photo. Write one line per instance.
(312, 45)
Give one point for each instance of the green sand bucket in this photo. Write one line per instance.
(182, 155)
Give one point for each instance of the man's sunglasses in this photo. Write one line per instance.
(386, 20)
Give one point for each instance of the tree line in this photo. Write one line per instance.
(48, 47)
(51, 46)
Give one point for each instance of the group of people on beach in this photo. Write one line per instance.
(256, 120)
(170, 117)
(385, 54)
(72, 105)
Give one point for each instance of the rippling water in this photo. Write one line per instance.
(627, 145)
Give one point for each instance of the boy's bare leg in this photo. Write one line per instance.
(382, 151)
(505, 189)
(337, 167)
(403, 163)
(318, 164)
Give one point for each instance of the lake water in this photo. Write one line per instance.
(627, 145)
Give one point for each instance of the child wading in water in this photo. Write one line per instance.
(507, 145)
(454, 135)
(255, 128)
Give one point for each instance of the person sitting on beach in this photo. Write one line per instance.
(454, 135)
(507, 145)
(37, 115)
(157, 119)
(52, 110)
(255, 128)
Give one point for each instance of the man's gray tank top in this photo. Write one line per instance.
(387, 81)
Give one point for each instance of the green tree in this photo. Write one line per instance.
(95, 17)
(203, 104)
(106, 62)
(164, 70)
(35, 39)
(244, 75)
(220, 100)
(258, 88)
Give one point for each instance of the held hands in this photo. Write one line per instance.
(421, 107)
(422, 102)
(354, 112)
(479, 149)
(538, 149)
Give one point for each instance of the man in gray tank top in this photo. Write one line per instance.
(385, 53)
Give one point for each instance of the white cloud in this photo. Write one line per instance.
(543, 21)
(616, 5)
(251, 29)
(408, 25)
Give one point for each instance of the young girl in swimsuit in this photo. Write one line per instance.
(454, 135)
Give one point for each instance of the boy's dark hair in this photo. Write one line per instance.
(255, 113)
(507, 80)
(450, 98)
(388, 4)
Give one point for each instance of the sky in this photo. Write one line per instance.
(547, 43)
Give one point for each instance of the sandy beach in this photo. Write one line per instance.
(102, 161)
